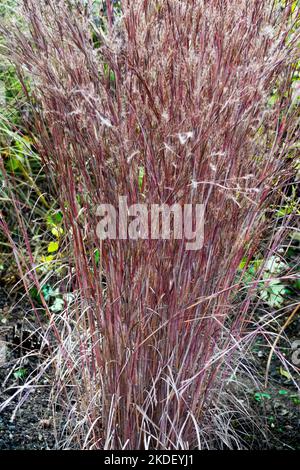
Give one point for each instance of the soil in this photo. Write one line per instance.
(31, 426)
(279, 403)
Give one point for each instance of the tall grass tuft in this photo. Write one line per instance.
(182, 101)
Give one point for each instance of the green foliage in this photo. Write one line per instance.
(55, 300)
(141, 177)
(260, 396)
(271, 288)
(53, 247)
(13, 95)
(274, 294)
(97, 256)
(20, 374)
(291, 205)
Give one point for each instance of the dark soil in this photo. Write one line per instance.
(280, 402)
(31, 426)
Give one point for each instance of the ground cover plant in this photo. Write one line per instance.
(162, 102)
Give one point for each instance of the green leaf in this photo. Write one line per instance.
(274, 265)
(285, 373)
(13, 163)
(243, 263)
(54, 218)
(274, 294)
(273, 98)
(47, 292)
(20, 373)
(53, 247)
(261, 396)
(34, 294)
(297, 284)
(295, 399)
(141, 177)
(57, 231)
(58, 305)
(97, 256)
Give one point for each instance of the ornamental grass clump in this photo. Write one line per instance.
(162, 102)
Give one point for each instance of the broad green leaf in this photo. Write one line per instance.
(54, 218)
(261, 396)
(53, 247)
(47, 292)
(58, 305)
(20, 373)
(274, 265)
(273, 294)
(57, 231)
